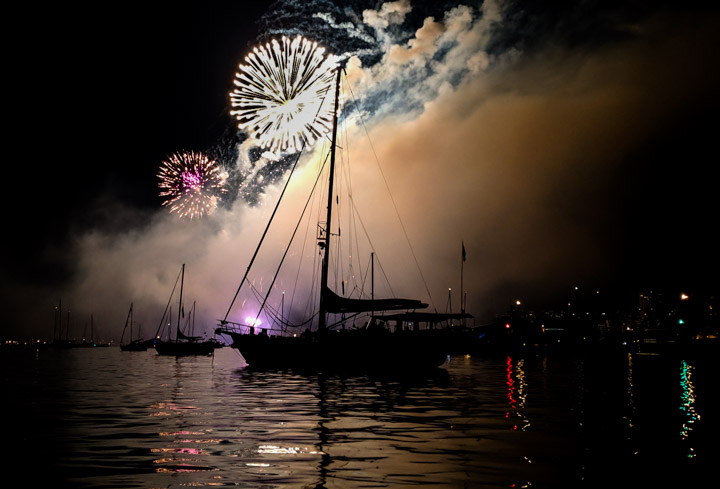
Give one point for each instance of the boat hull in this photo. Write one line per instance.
(352, 350)
(184, 348)
(137, 345)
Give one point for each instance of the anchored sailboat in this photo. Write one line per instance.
(183, 344)
(371, 347)
(92, 343)
(137, 344)
(58, 340)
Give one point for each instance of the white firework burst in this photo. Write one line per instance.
(283, 94)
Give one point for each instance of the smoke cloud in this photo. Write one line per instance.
(519, 151)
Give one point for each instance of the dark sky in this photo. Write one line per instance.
(105, 96)
(100, 97)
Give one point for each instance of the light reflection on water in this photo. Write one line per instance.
(106, 418)
(687, 403)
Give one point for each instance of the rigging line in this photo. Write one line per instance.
(162, 319)
(387, 280)
(364, 277)
(312, 304)
(287, 183)
(345, 319)
(392, 199)
(353, 227)
(353, 223)
(345, 179)
(355, 212)
(274, 313)
(302, 214)
(367, 235)
(277, 204)
(302, 250)
(339, 255)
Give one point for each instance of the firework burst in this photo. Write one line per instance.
(283, 95)
(192, 183)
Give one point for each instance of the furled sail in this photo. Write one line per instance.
(336, 304)
(182, 336)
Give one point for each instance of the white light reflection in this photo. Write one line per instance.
(630, 416)
(274, 449)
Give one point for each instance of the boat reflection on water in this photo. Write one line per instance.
(550, 421)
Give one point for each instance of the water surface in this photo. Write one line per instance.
(106, 418)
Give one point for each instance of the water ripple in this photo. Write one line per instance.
(117, 419)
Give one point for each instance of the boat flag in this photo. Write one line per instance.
(463, 250)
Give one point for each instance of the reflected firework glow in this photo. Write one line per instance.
(281, 92)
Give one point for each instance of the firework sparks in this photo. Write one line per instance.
(192, 183)
(283, 95)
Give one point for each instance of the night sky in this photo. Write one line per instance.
(569, 144)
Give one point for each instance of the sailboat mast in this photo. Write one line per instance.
(372, 280)
(192, 313)
(463, 294)
(182, 280)
(130, 314)
(462, 265)
(57, 322)
(372, 275)
(128, 320)
(322, 325)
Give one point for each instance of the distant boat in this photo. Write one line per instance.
(183, 344)
(92, 343)
(137, 344)
(58, 341)
(373, 346)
